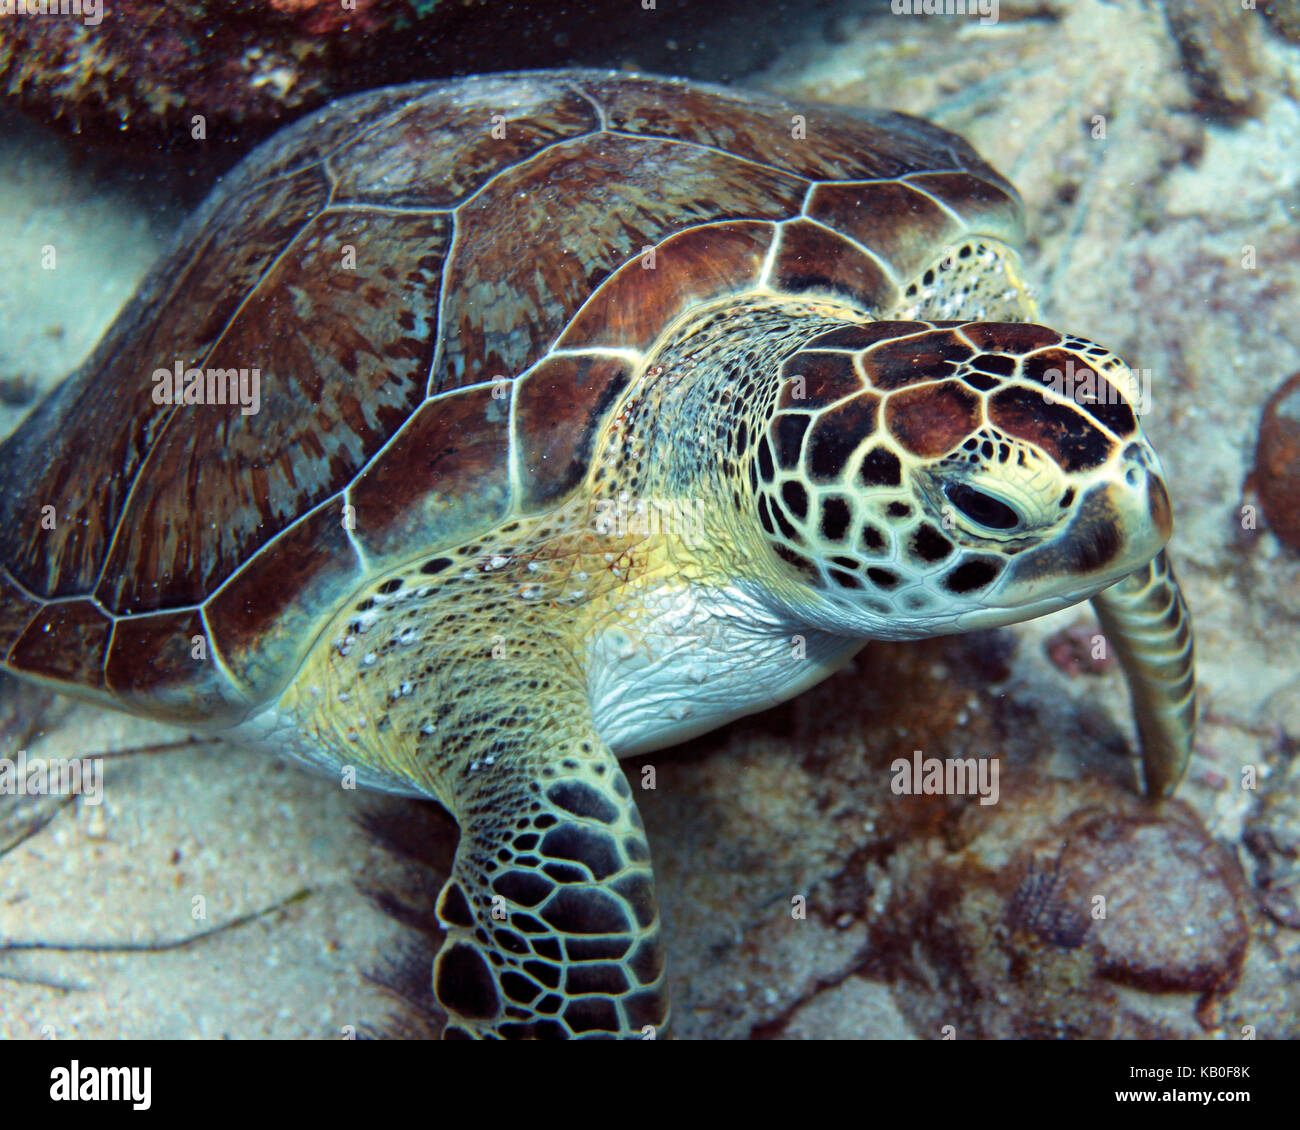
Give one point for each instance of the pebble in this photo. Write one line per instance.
(1219, 49)
(1277, 462)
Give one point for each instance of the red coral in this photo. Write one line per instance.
(324, 17)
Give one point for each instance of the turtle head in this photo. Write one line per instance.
(927, 478)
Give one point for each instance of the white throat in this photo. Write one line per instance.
(689, 659)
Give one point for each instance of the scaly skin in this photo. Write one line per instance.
(1146, 619)
(504, 676)
(486, 335)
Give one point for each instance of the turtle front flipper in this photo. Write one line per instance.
(552, 925)
(1147, 622)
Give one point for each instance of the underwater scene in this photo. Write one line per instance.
(723, 521)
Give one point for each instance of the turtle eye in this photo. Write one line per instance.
(981, 508)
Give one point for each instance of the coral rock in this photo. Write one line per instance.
(1173, 915)
(1218, 44)
(1277, 462)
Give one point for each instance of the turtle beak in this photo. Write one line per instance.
(1162, 518)
(1119, 524)
(1139, 497)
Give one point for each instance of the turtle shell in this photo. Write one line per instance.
(424, 278)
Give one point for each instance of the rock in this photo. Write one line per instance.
(1173, 915)
(1284, 18)
(1273, 838)
(1080, 649)
(1002, 940)
(142, 72)
(1277, 462)
(1218, 44)
(854, 1010)
(151, 67)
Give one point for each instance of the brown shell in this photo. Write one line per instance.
(411, 271)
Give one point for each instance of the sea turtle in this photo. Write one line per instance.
(581, 412)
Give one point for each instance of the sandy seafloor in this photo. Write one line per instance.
(1136, 241)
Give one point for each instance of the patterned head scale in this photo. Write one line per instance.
(950, 475)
